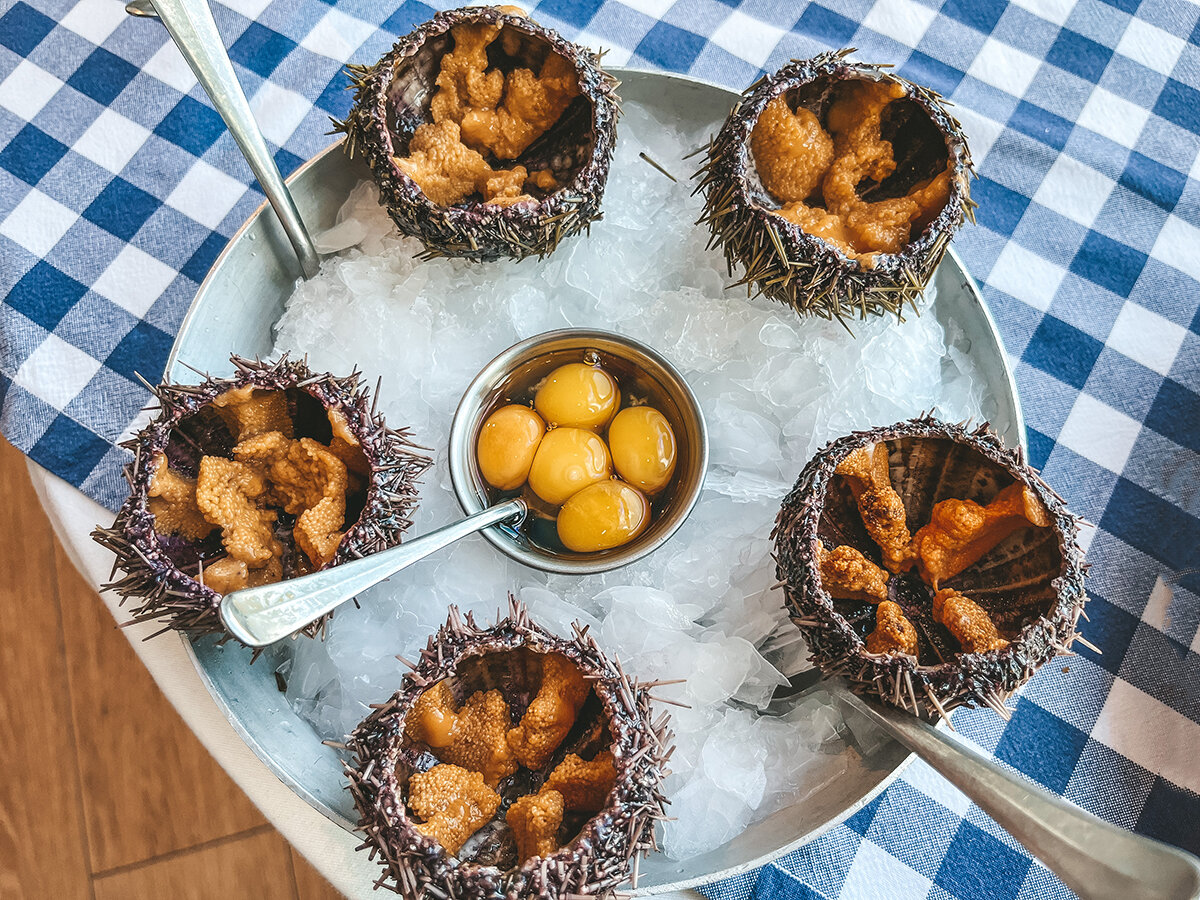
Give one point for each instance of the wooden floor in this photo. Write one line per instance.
(104, 792)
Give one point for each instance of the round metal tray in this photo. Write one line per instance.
(235, 311)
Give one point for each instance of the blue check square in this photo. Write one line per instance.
(1176, 414)
(1076, 53)
(121, 208)
(670, 47)
(982, 15)
(1063, 351)
(1041, 745)
(68, 449)
(1041, 124)
(102, 76)
(260, 49)
(1108, 263)
(141, 352)
(574, 12)
(44, 295)
(825, 25)
(1166, 807)
(192, 125)
(1000, 208)
(22, 28)
(925, 70)
(31, 154)
(979, 867)
(1180, 104)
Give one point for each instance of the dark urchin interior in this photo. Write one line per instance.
(781, 260)
(158, 569)
(392, 98)
(603, 851)
(1031, 583)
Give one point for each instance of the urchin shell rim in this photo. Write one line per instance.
(837, 649)
(519, 230)
(775, 254)
(412, 860)
(178, 600)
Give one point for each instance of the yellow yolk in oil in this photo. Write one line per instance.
(507, 444)
(602, 516)
(567, 461)
(578, 395)
(643, 448)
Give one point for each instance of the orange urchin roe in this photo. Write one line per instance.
(794, 156)
(866, 469)
(344, 445)
(967, 621)
(228, 494)
(893, 632)
(848, 575)
(474, 737)
(584, 784)
(249, 411)
(444, 168)
(270, 471)
(535, 820)
(228, 574)
(454, 802)
(172, 502)
(309, 482)
(433, 720)
(792, 151)
(478, 110)
(551, 713)
(960, 532)
(532, 103)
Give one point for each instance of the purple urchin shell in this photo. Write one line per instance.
(798, 269)
(154, 565)
(609, 844)
(392, 98)
(1031, 583)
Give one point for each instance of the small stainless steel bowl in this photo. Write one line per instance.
(524, 364)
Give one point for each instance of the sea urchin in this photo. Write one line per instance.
(542, 745)
(929, 566)
(837, 186)
(488, 135)
(271, 473)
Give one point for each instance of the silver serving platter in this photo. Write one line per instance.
(234, 312)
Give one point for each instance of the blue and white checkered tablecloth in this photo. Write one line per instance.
(119, 186)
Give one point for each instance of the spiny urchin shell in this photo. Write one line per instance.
(796, 268)
(392, 98)
(605, 852)
(155, 565)
(1031, 584)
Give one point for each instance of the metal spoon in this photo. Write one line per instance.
(1096, 860)
(262, 615)
(191, 26)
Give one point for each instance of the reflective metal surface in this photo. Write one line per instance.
(1098, 861)
(191, 26)
(234, 311)
(534, 358)
(258, 616)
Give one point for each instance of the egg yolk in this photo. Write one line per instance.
(567, 461)
(507, 443)
(602, 516)
(643, 448)
(578, 395)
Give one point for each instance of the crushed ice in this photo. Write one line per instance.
(774, 388)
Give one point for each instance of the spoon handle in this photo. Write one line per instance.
(262, 615)
(191, 26)
(1097, 860)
